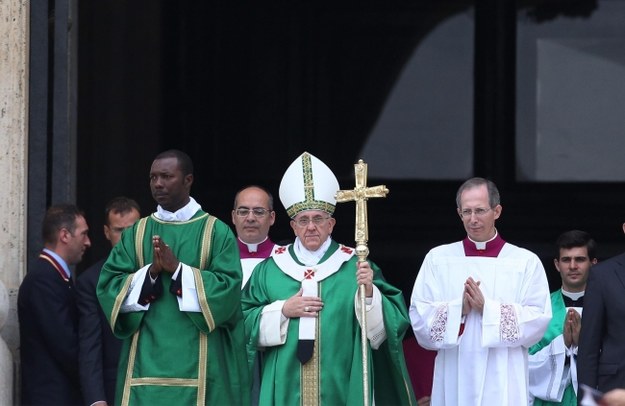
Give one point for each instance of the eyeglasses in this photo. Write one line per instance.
(259, 212)
(479, 212)
(305, 221)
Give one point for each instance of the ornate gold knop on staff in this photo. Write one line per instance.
(360, 194)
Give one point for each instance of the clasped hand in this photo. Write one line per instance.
(472, 298)
(164, 258)
(572, 327)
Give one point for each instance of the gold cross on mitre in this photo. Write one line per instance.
(360, 194)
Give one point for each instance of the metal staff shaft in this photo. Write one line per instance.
(360, 194)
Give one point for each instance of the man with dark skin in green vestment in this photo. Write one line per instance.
(171, 289)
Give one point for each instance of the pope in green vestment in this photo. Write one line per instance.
(171, 356)
(334, 374)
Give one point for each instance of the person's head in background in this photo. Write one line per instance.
(253, 214)
(120, 213)
(576, 254)
(65, 232)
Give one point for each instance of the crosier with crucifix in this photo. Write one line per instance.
(360, 194)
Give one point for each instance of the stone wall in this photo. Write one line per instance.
(14, 40)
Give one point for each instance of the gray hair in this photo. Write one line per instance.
(493, 192)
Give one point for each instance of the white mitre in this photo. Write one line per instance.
(308, 184)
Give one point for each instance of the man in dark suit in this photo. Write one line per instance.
(48, 315)
(98, 347)
(601, 355)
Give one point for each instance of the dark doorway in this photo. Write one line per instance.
(246, 89)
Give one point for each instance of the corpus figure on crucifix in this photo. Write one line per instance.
(301, 306)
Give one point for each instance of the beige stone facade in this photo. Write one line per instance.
(14, 45)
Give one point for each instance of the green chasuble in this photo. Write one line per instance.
(555, 328)
(333, 376)
(171, 357)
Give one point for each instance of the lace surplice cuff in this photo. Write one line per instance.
(437, 333)
(509, 327)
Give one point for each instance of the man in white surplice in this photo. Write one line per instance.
(552, 361)
(481, 302)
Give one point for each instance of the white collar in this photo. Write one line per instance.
(307, 257)
(481, 245)
(573, 295)
(251, 247)
(183, 214)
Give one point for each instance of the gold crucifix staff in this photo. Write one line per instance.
(360, 194)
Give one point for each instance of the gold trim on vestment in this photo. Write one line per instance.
(132, 353)
(207, 238)
(119, 300)
(309, 372)
(139, 234)
(164, 382)
(202, 366)
(201, 294)
(200, 382)
(179, 223)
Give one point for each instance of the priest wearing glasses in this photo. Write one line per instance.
(480, 302)
(252, 217)
(301, 307)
